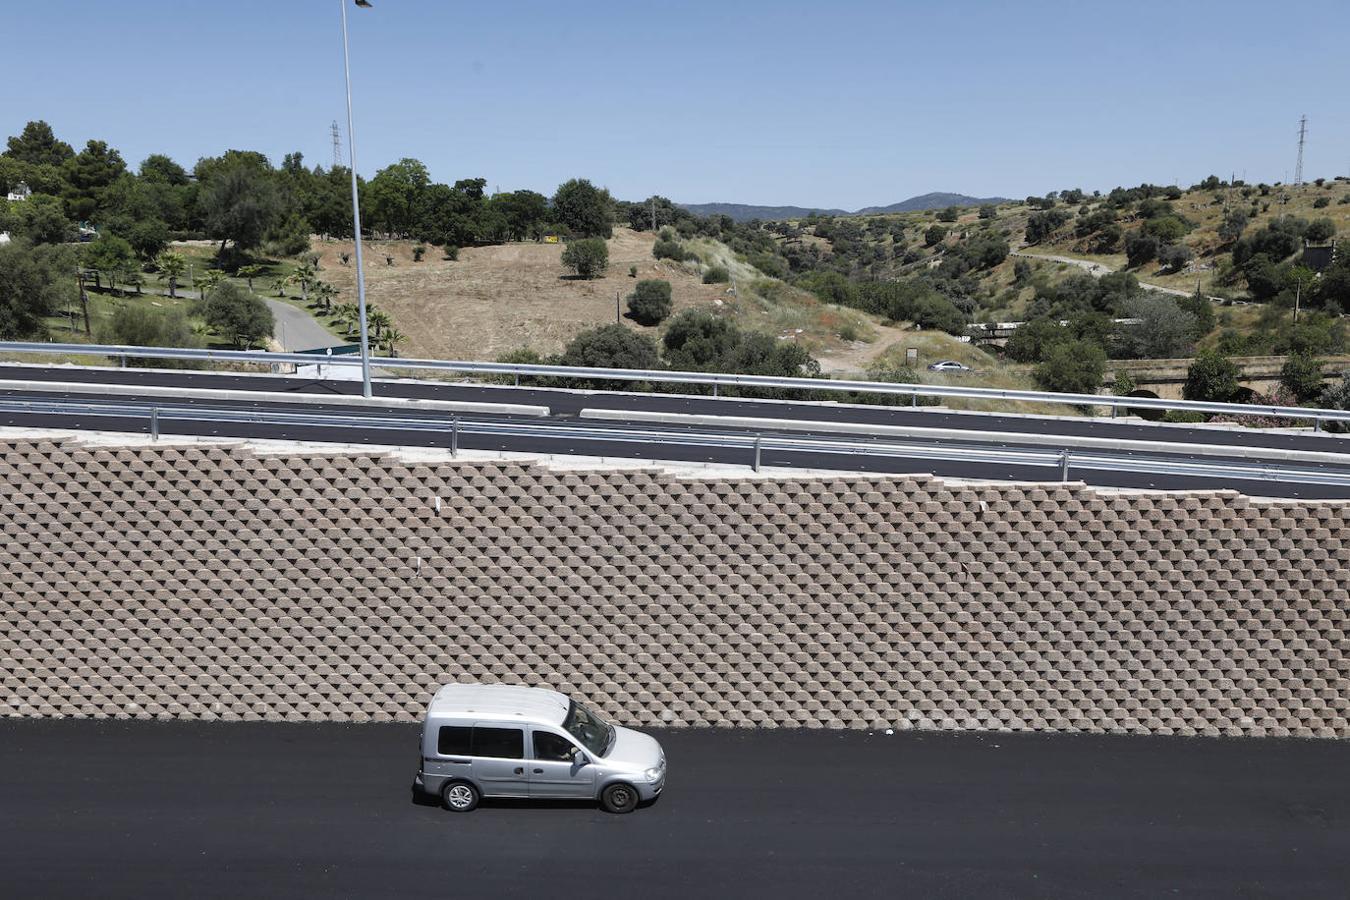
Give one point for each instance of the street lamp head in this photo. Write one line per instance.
(364, 4)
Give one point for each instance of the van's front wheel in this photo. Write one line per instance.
(460, 796)
(619, 798)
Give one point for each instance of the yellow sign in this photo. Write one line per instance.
(550, 239)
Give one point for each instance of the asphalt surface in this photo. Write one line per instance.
(145, 809)
(296, 329)
(565, 406)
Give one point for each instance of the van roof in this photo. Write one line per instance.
(499, 701)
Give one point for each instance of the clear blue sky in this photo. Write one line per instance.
(845, 103)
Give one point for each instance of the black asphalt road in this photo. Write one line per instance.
(566, 404)
(136, 809)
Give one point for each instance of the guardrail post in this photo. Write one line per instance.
(454, 436)
(714, 389)
(121, 360)
(517, 376)
(1114, 408)
(914, 400)
(755, 466)
(1317, 423)
(1064, 466)
(154, 423)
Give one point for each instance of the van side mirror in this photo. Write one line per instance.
(579, 757)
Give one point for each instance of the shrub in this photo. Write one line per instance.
(242, 318)
(988, 211)
(1212, 378)
(588, 257)
(950, 214)
(717, 275)
(1073, 367)
(649, 304)
(1175, 256)
(1321, 230)
(934, 235)
(141, 326)
(1140, 248)
(1321, 202)
(418, 252)
(1336, 396)
(611, 347)
(1041, 225)
(1301, 375)
(632, 271)
(664, 249)
(451, 252)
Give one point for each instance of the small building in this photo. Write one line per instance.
(19, 193)
(4, 238)
(1319, 257)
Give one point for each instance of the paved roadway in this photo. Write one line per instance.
(296, 329)
(566, 404)
(145, 809)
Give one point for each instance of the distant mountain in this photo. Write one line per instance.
(744, 213)
(929, 201)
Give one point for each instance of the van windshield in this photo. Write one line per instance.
(584, 724)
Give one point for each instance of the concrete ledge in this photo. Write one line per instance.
(261, 397)
(1057, 441)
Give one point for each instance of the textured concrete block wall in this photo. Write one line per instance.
(210, 582)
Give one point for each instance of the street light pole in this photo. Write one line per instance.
(356, 206)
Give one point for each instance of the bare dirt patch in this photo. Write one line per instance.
(500, 298)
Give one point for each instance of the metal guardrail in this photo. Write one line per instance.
(1062, 461)
(711, 379)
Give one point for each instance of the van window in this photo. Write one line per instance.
(552, 747)
(500, 743)
(453, 740)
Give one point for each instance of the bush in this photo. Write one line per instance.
(611, 347)
(1042, 225)
(141, 326)
(988, 211)
(1301, 375)
(451, 252)
(1336, 396)
(1321, 230)
(1175, 256)
(649, 304)
(1321, 202)
(240, 317)
(1073, 367)
(1212, 378)
(717, 275)
(667, 249)
(934, 235)
(1140, 248)
(418, 252)
(588, 257)
(950, 214)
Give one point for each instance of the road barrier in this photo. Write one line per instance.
(1063, 459)
(715, 380)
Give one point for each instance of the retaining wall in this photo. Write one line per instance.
(213, 582)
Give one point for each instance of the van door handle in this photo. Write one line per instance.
(520, 770)
(539, 771)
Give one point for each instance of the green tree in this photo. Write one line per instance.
(1033, 340)
(1124, 384)
(1336, 396)
(1301, 374)
(524, 212)
(1140, 248)
(1041, 225)
(611, 347)
(396, 196)
(241, 318)
(1073, 367)
(1320, 230)
(37, 145)
(250, 272)
(110, 256)
(1164, 330)
(239, 201)
(42, 219)
(950, 214)
(88, 175)
(1199, 306)
(35, 281)
(588, 257)
(988, 211)
(650, 302)
(1234, 223)
(172, 266)
(158, 168)
(586, 210)
(934, 235)
(148, 238)
(717, 275)
(1212, 378)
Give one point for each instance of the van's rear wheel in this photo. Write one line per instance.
(619, 798)
(460, 796)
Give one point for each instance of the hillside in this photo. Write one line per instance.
(740, 212)
(935, 200)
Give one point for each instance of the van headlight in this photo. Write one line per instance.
(653, 774)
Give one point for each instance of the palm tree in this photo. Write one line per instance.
(306, 276)
(248, 273)
(171, 265)
(378, 320)
(208, 280)
(326, 292)
(279, 285)
(392, 338)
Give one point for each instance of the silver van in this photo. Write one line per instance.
(493, 740)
